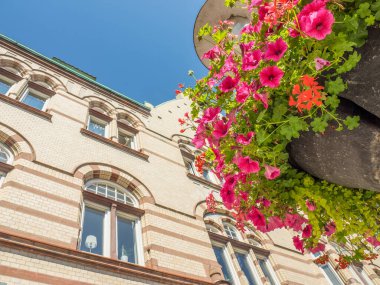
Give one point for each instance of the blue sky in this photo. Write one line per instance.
(141, 48)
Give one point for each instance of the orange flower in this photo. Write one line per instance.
(308, 94)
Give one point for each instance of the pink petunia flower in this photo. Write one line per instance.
(210, 114)
(242, 92)
(294, 221)
(228, 84)
(271, 76)
(246, 47)
(374, 241)
(220, 129)
(256, 217)
(306, 232)
(318, 248)
(310, 205)
(276, 50)
(298, 244)
(245, 140)
(275, 223)
(321, 63)
(261, 97)
(212, 53)
(330, 229)
(228, 196)
(251, 60)
(247, 165)
(271, 172)
(254, 3)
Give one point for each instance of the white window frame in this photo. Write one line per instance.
(134, 144)
(235, 278)
(229, 226)
(324, 273)
(363, 274)
(138, 235)
(269, 267)
(38, 94)
(98, 121)
(252, 266)
(212, 229)
(8, 153)
(106, 226)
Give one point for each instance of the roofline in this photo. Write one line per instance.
(74, 72)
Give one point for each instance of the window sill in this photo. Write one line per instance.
(5, 168)
(238, 244)
(25, 107)
(115, 144)
(203, 181)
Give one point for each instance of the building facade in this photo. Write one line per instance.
(96, 188)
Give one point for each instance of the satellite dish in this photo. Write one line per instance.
(91, 242)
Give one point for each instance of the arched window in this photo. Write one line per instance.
(8, 77)
(111, 191)
(6, 158)
(111, 222)
(231, 231)
(254, 242)
(212, 229)
(98, 120)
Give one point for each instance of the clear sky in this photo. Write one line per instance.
(141, 48)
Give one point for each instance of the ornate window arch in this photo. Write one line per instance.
(6, 155)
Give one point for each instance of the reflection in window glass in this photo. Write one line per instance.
(110, 192)
(4, 87)
(126, 240)
(190, 167)
(97, 128)
(92, 234)
(264, 268)
(127, 140)
(220, 257)
(34, 100)
(244, 265)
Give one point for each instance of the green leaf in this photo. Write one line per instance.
(351, 23)
(219, 35)
(229, 3)
(370, 21)
(340, 44)
(376, 6)
(377, 16)
(350, 63)
(332, 101)
(278, 111)
(204, 31)
(293, 128)
(364, 10)
(335, 87)
(319, 125)
(352, 122)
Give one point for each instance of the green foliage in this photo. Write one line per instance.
(204, 31)
(335, 87)
(352, 122)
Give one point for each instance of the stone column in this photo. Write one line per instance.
(17, 89)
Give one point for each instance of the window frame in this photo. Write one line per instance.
(228, 260)
(35, 93)
(269, 268)
(98, 121)
(129, 134)
(313, 255)
(362, 278)
(9, 77)
(229, 225)
(8, 81)
(251, 264)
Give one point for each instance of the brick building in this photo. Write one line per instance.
(96, 188)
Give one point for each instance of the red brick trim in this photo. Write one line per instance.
(25, 107)
(95, 261)
(41, 193)
(39, 214)
(127, 128)
(203, 181)
(37, 277)
(37, 87)
(5, 168)
(115, 144)
(88, 196)
(10, 75)
(100, 115)
(239, 244)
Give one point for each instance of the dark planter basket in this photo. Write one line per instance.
(349, 158)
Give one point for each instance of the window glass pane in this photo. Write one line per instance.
(220, 257)
(206, 174)
(34, 101)
(244, 265)
(102, 189)
(91, 188)
(362, 276)
(92, 234)
(111, 193)
(120, 197)
(264, 268)
(126, 140)
(330, 274)
(97, 128)
(4, 87)
(126, 240)
(189, 166)
(231, 231)
(3, 156)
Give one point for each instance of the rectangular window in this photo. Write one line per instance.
(127, 139)
(190, 167)
(223, 262)
(361, 275)
(97, 126)
(266, 270)
(126, 240)
(93, 231)
(4, 86)
(246, 268)
(34, 100)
